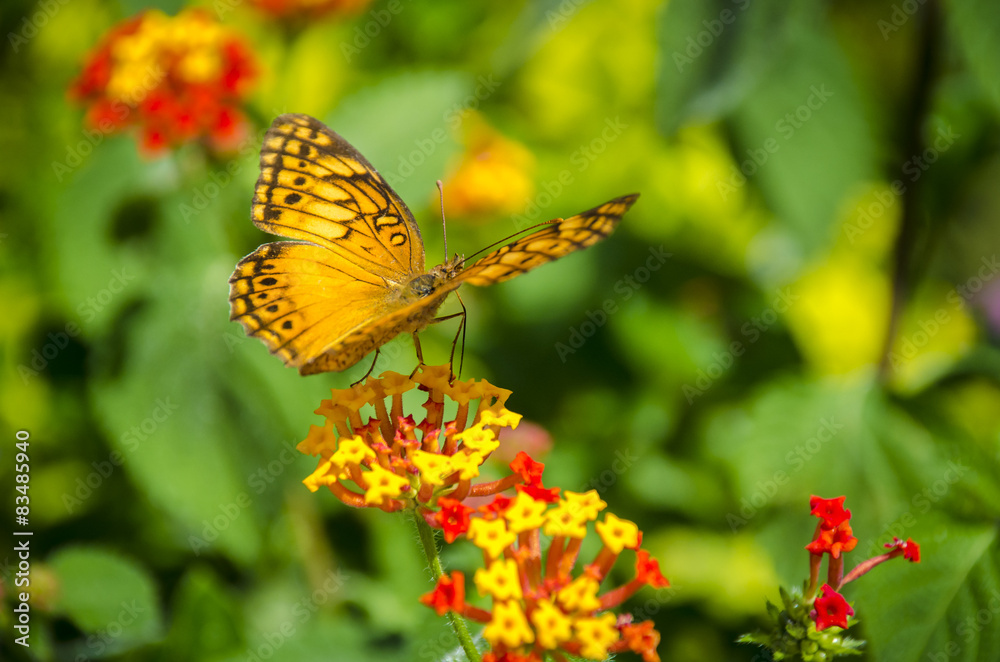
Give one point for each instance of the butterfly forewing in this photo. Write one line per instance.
(314, 186)
(556, 239)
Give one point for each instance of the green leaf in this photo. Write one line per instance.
(944, 608)
(107, 596)
(974, 27)
(804, 140)
(712, 54)
(206, 621)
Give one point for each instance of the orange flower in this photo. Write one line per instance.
(491, 177)
(833, 541)
(176, 78)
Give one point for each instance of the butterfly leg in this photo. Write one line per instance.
(461, 330)
(420, 354)
(370, 370)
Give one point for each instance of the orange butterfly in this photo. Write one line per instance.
(356, 276)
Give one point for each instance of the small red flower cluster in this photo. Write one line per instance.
(176, 78)
(799, 627)
(308, 8)
(833, 536)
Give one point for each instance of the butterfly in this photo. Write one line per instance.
(353, 277)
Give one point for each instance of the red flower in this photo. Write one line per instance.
(833, 541)
(641, 638)
(647, 570)
(911, 550)
(530, 470)
(831, 609)
(831, 511)
(448, 595)
(452, 518)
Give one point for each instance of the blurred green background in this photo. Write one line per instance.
(820, 204)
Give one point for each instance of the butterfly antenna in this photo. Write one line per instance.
(444, 225)
(511, 236)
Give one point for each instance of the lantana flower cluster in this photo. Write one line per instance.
(812, 621)
(372, 453)
(389, 460)
(176, 79)
(540, 606)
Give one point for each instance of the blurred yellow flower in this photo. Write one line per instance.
(491, 177)
(935, 332)
(839, 320)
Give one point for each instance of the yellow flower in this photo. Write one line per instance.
(500, 580)
(497, 415)
(596, 635)
(564, 520)
(618, 534)
(552, 626)
(509, 626)
(320, 440)
(491, 536)
(352, 451)
(383, 485)
(579, 595)
(588, 503)
(434, 468)
(525, 513)
(467, 463)
(478, 438)
(493, 175)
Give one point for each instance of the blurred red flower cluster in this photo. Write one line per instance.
(176, 78)
(308, 8)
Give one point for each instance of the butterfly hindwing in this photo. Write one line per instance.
(297, 300)
(314, 186)
(556, 239)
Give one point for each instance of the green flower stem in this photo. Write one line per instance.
(458, 625)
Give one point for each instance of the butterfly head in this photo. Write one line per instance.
(425, 285)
